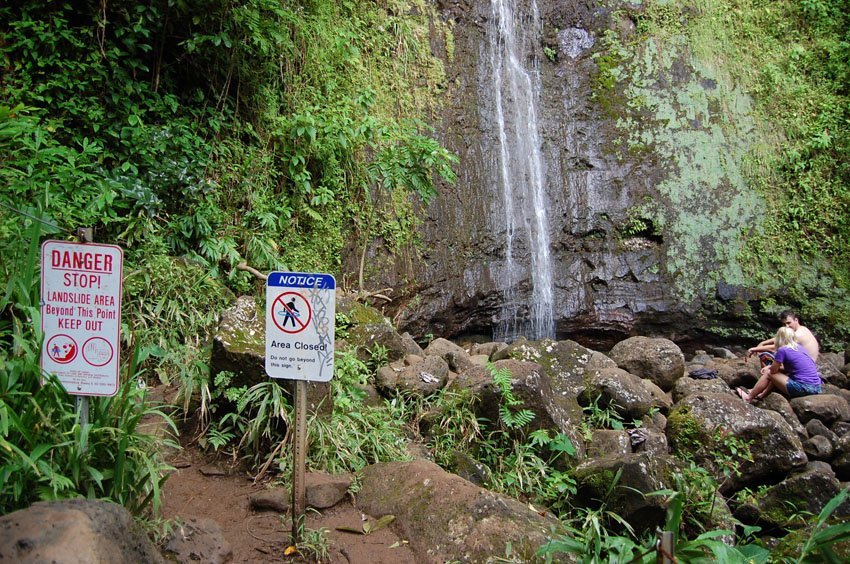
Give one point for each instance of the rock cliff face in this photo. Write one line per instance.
(646, 202)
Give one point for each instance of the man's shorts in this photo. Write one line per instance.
(798, 389)
(765, 358)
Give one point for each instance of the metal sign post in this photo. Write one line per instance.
(300, 316)
(299, 462)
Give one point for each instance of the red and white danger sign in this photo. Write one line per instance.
(81, 315)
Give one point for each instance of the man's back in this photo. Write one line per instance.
(808, 341)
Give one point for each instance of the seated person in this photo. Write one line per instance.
(804, 337)
(793, 371)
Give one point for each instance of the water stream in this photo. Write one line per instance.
(521, 173)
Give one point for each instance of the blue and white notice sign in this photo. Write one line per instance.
(300, 315)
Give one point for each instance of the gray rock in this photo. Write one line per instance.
(606, 442)
(641, 474)
(456, 357)
(239, 347)
(470, 469)
(272, 499)
(826, 407)
(616, 388)
(815, 427)
(803, 493)
(532, 386)
(75, 530)
(487, 349)
(779, 404)
(657, 359)
(818, 448)
(841, 465)
(655, 443)
(660, 399)
(324, 490)
(239, 343)
(686, 386)
(367, 338)
(421, 377)
(720, 352)
(701, 358)
(841, 428)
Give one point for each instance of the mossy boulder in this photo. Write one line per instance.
(714, 427)
(639, 474)
(449, 519)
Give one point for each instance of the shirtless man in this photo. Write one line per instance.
(805, 337)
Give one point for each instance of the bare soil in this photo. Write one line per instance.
(205, 487)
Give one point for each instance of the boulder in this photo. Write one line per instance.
(830, 366)
(616, 388)
(654, 442)
(815, 427)
(686, 386)
(792, 501)
(818, 448)
(75, 530)
(418, 376)
(828, 408)
(737, 372)
(487, 349)
(639, 474)
(530, 386)
(721, 352)
(657, 359)
(701, 358)
(371, 338)
(700, 423)
(454, 355)
(779, 404)
(325, 490)
(565, 362)
(271, 499)
(447, 518)
(607, 442)
(660, 399)
(239, 344)
(470, 469)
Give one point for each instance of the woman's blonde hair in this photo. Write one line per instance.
(785, 337)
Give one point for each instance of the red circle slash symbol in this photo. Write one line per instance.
(291, 312)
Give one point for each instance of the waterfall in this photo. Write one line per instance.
(515, 84)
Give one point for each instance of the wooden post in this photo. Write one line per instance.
(299, 461)
(665, 548)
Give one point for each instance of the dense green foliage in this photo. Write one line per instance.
(46, 452)
(198, 136)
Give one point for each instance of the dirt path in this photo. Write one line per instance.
(193, 492)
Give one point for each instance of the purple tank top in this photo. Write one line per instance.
(798, 365)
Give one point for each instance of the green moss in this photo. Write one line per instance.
(361, 314)
(685, 432)
(599, 481)
(701, 125)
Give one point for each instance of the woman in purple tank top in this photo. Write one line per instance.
(794, 372)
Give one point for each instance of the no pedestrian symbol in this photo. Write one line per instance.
(300, 315)
(291, 312)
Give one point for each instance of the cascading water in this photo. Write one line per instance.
(521, 172)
